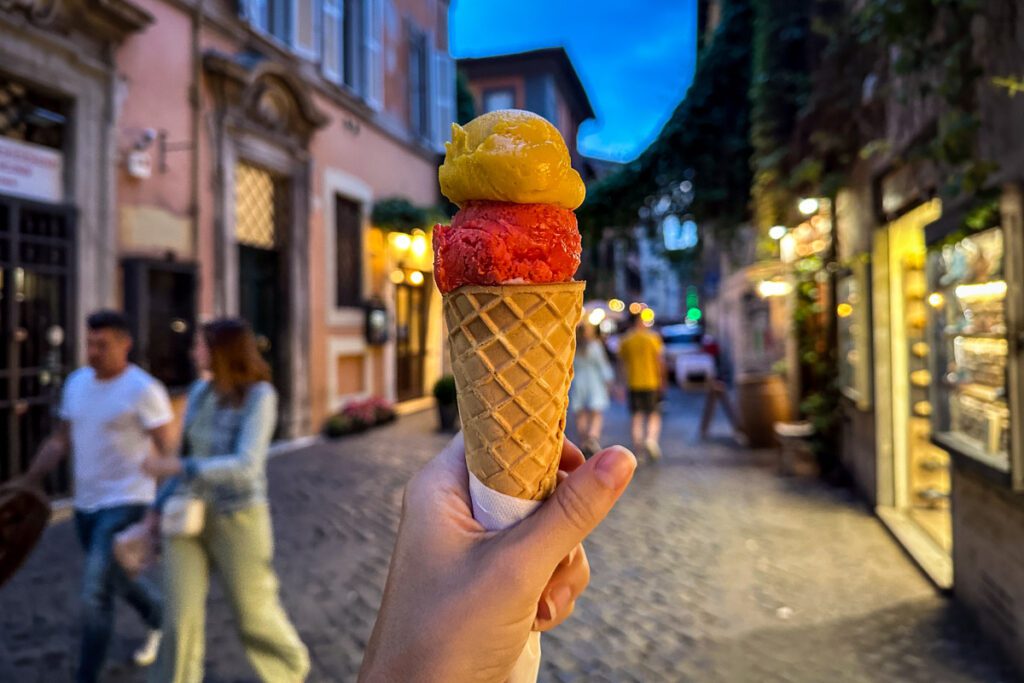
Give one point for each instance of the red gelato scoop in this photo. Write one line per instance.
(494, 243)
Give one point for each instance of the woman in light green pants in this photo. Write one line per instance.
(229, 421)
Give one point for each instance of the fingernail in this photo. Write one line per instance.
(614, 467)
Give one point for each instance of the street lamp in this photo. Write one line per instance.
(777, 232)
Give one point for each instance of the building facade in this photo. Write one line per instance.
(191, 159)
(929, 313)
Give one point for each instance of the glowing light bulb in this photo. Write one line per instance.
(808, 206)
(401, 240)
(419, 245)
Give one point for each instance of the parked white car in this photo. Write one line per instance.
(687, 362)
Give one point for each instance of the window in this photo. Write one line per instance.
(431, 89)
(505, 98)
(352, 46)
(419, 84)
(348, 245)
(271, 16)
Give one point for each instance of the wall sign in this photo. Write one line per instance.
(31, 171)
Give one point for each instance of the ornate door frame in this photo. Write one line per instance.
(265, 116)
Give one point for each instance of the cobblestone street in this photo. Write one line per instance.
(712, 568)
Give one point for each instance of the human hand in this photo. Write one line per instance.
(161, 466)
(460, 601)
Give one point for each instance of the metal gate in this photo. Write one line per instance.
(37, 260)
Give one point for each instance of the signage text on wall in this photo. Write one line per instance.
(31, 171)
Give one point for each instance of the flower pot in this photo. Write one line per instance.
(447, 416)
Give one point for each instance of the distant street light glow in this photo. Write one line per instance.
(416, 278)
(777, 232)
(402, 241)
(770, 288)
(636, 307)
(647, 315)
(596, 316)
(808, 206)
(397, 276)
(844, 310)
(617, 305)
(419, 245)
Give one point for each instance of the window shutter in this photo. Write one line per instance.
(373, 58)
(258, 14)
(332, 41)
(305, 19)
(444, 97)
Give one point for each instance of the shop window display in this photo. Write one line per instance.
(968, 331)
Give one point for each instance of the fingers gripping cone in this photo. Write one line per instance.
(512, 348)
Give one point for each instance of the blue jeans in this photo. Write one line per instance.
(102, 578)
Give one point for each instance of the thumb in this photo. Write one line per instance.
(578, 505)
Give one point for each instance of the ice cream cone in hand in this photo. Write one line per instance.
(505, 268)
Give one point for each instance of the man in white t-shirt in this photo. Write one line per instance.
(112, 414)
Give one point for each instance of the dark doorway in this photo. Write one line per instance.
(411, 311)
(262, 214)
(36, 329)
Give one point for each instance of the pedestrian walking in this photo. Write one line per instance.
(642, 363)
(113, 417)
(588, 395)
(221, 519)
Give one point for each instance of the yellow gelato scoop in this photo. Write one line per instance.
(510, 156)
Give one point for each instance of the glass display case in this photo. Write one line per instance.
(854, 334)
(968, 332)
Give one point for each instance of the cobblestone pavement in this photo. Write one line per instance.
(710, 569)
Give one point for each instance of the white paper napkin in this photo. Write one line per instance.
(495, 511)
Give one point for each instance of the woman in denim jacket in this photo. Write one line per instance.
(229, 421)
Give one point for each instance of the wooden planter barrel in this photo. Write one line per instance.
(763, 400)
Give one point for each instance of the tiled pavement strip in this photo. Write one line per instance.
(711, 568)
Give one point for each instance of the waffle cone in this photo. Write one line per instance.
(512, 348)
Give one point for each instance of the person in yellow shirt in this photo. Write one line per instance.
(642, 364)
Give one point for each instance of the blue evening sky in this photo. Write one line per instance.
(635, 57)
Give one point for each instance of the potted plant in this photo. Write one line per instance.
(447, 408)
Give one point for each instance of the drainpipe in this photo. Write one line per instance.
(195, 101)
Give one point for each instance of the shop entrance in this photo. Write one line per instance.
(411, 311)
(917, 471)
(261, 217)
(36, 326)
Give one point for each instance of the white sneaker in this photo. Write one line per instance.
(146, 654)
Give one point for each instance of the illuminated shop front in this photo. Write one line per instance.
(914, 480)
